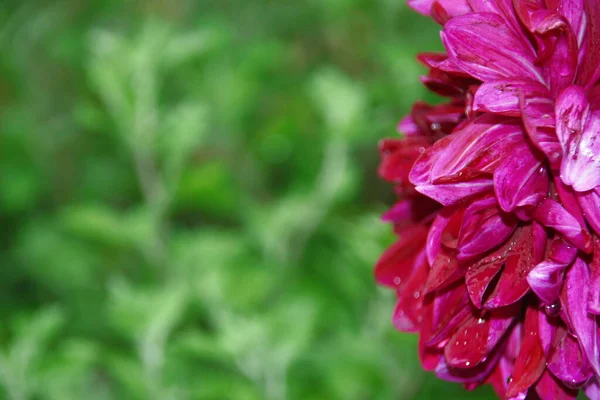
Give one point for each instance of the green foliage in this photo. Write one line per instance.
(189, 201)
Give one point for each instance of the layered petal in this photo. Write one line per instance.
(521, 178)
(484, 46)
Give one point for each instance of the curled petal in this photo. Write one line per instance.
(521, 179)
(484, 227)
(551, 214)
(477, 374)
(546, 278)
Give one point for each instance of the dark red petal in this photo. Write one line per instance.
(519, 261)
(407, 315)
(451, 309)
(530, 362)
(444, 271)
(478, 336)
(430, 357)
(397, 263)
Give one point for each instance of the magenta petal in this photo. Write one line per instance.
(538, 119)
(502, 97)
(594, 295)
(548, 388)
(574, 300)
(590, 205)
(568, 198)
(580, 167)
(572, 113)
(546, 278)
(521, 179)
(547, 330)
(441, 160)
(452, 7)
(551, 214)
(573, 11)
(484, 227)
(434, 237)
(590, 70)
(592, 390)
(486, 47)
(475, 149)
(408, 127)
(566, 361)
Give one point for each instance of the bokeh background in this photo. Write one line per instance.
(189, 205)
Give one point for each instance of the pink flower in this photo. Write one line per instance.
(497, 262)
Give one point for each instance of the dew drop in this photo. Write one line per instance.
(416, 295)
(480, 321)
(509, 380)
(468, 363)
(435, 126)
(552, 309)
(397, 280)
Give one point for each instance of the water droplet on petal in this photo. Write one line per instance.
(552, 309)
(397, 281)
(416, 295)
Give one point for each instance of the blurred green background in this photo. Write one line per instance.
(189, 206)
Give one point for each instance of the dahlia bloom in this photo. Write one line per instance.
(497, 261)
